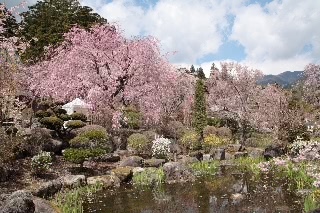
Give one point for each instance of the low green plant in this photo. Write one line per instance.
(75, 124)
(41, 163)
(310, 203)
(95, 134)
(138, 142)
(42, 114)
(52, 123)
(249, 164)
(212, 121)
(203, 168)
(78, 116)
(80, 142)
(78, 156)
(149, 176)
(70, 201)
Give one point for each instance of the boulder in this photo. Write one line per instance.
(18, 202)
(4, 174)
(48, 189)
(315, 211)
(123, 173)
(109, 157)
(235, 148)
(106, 181)
(176, 172)
(240, 154)
(122, 153)
(255, 152)
(207, 157)
(237, 197)
(196, 154)
(44, 206)
(273, 151)
(53, 145)
(229, 156)
(218, 153)
(187, 159)
(133, 161)
(175, 148)
(153, 162)
(73, 181)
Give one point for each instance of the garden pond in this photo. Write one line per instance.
(227, 191)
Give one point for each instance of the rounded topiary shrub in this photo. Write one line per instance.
(80, 142)
(44, 105)
(64, 117)
(92, 138)
(78, 156)
(53, 123)
(59, 110)
(139, 142)
(190, 140)
(42, 114)
(78, 116)
(75, 124)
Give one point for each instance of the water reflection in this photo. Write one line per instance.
(228, 192)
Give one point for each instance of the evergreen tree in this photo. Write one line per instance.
(199, 114)
(200, 73)
(192, 69)
(9, 24)
(45, 23)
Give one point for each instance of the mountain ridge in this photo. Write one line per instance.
(285, 79)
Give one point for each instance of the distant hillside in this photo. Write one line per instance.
(285, 79)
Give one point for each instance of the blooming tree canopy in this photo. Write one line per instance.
(108, 70)
(312, 84)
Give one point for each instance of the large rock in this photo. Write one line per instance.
(133, 161)
(53, 145)
(44, 206)
(123, 173)
(235, 148)
(273, 151)
(255, 152)
(73, 181)
(106, 181)
(109, 157)
(18, 202)
(48, 189)
(4, 174)
(196, 154)
(187, 159)
(218, 154)
(153, 162)
(176, 172)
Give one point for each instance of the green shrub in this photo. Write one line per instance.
(75, 124)
(80, 142)
(52, 123)
(92, 138)
(59, 110)
(218, 131)
(174, 129)
(41, 163)
(139, 142)
(199, 112)
(132, 118)
(64, 117)
(44, 105)
(212, 141)
(212, 121)
(78, 116)
(80, 155)
(190, 140)
(42, 114)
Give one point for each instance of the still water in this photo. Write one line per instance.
(228, 191)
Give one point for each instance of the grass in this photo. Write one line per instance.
(70, 201)
(204, 168)
(149, 176)
(310, 203)
(249, 164)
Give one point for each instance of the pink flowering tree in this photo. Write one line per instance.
(234, 88)
(109, 71)
(9, 65)
(312, 84)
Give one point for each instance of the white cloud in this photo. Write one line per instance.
(275, 36)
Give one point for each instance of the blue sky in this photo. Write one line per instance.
(271, 35)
